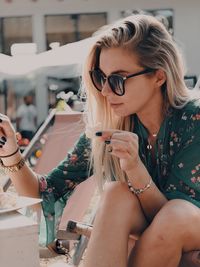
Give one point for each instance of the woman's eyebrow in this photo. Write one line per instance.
(115, 72)
(119, 71)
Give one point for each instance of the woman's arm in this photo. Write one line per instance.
(152, 199)
(125, 147)
(73, 169)
(24, 180)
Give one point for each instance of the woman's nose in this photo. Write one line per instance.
(106, 89)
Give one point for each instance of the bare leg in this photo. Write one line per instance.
(175, 229)
(119, 214)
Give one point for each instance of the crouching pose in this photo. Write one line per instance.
(149, 146)
(146, 149)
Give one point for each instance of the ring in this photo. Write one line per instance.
(111, 135)
(110, 149)
(18, 136)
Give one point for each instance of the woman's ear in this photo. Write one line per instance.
(160, 77)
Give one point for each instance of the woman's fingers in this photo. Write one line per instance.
(116, 134)
(6, 127)
(123, 141)
(8, 139)
(121, 145)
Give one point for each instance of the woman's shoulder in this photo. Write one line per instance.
(192, 107)
(189, 112)
(186, 121)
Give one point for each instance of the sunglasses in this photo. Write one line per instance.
(115, 81)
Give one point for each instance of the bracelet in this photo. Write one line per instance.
(138, 191)
(7, 156)
(13, 168)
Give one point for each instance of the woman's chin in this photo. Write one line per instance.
(120, 110)
(121, 113)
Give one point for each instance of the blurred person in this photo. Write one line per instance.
(145, 155)
(26, 121)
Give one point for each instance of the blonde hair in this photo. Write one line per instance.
(148, 38)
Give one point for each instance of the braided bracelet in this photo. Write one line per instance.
(13, 168)
(138, 191)
(7, 156)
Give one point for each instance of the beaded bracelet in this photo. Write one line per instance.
(13, 168)
(138, 191)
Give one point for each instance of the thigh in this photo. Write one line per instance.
(181, 221)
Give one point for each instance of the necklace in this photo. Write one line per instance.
(146, 149)
(149, 145)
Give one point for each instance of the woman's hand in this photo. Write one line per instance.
(8, 140)
(123, 145)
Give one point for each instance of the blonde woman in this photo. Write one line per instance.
(147, 150)
(149, 144)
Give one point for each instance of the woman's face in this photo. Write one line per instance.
(141, 92)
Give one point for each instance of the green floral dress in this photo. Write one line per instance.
(57, 186)
(176, 169)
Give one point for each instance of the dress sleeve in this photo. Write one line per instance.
(184, 179)
(57, 186)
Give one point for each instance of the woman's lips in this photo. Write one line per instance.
(115, 105)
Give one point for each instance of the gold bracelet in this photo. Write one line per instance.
(13, 168)
(138, 191)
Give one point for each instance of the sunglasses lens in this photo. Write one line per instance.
(98, 79)
(116, 84)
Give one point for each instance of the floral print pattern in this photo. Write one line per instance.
(56, 187)
(175, 170)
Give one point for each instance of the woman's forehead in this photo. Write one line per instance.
(115, 59)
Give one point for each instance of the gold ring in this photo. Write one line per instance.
(110, 149)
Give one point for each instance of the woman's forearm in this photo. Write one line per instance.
(24, 180)
(152, 199)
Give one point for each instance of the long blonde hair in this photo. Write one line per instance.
(146, 37)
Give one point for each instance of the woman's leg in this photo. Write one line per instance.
(174, 230)
(119, 214)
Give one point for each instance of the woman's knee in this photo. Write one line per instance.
(120, 205)
(177, 213)
(116, 195)
(173, 221)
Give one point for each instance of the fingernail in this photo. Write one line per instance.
(4, 138)
(0, 120)
(98, 133)
(107, 142)
(1, 146)
(2, 142)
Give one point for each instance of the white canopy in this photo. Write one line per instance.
(71, 55)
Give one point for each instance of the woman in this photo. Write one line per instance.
(149, 142)
(148, 147)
